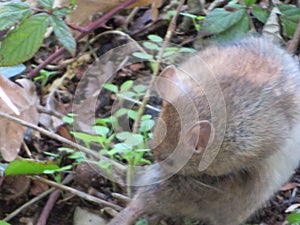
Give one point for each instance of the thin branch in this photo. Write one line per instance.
(77, 193)
(88, 151)
(136, 124)
(32, 201)
(167, 39)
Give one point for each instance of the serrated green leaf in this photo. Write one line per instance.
(63, 34)
(155, 38)
(290, 17)
(260, 14)
(4, 223)
(12, 12)
(142, 55)
(111, 87)
(23, 42)
(126, 85)
(236, 31)
(29, 166)
(249, 3)
(289, 26)
(47, 4)
(220, 20)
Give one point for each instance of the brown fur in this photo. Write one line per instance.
(260, 84)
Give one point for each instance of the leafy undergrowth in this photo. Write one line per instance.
(89, 93)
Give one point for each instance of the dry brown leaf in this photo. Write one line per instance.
(25, 99)
(87, 8)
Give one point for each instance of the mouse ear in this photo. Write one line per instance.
(198, 135)
(168, 84)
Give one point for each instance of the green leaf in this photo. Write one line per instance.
(293, 218)
(261, 14)
(151, 46)
(290, 17)
(60, 12)
(236, 31)
(12, 12)
(123, 135)
(249, 3)
(189, 50)
(140, 88)
(65, 168)
(167, 54)
(128, 94)
(134, 139)
(147, 125)
(220, 20)
(47, 4)
(142, 55)
(132, 114)
(63, 34)
(78, 156)
(121, 147)
(101, 130)
(104, 164)
(142, 222)
(146, 117)
(4, 223)
(111, 87)
(68, 119)
(155, 38)
(87, 138)
(126, 85)
(23, 42)
(121, 112)
(29, 166)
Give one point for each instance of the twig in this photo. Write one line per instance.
(32, 201)
(295, 41)
(27, 204)
(78, 193)
(91, 27)
(167, 39)
(121, 197)
(88, 151)
(51, 202)
(136, 124)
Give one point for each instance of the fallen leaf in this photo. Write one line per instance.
(25, 99)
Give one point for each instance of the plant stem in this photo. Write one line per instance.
(136, 124)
